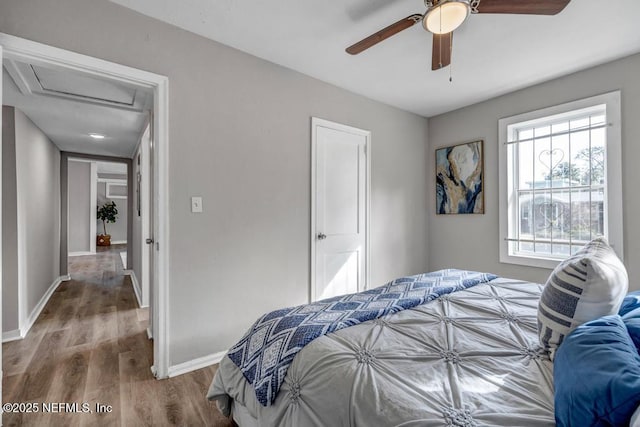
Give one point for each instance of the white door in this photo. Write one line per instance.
(143, 183)
(150, 203)
(340, 214)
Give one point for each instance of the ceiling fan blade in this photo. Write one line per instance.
(525, 7)
(441, 52)
(384, 34)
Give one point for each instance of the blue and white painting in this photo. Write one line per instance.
(459, 180)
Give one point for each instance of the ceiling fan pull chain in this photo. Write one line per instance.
(451, 56)
(440, 42)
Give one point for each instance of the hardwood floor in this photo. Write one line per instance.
(90, 345)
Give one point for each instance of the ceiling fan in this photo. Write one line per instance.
(444, 16)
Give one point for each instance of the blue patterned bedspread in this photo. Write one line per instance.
(268, 348)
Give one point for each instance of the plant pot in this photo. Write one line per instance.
(103, 240)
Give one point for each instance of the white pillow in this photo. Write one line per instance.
(590, 284)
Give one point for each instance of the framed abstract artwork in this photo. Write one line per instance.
(459, 179)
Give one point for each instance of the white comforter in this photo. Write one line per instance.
(467, 359)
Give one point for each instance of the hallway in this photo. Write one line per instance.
(90, 345)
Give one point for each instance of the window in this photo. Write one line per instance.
(116, 189)
(560, 180)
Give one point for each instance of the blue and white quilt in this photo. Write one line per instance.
(268, 348)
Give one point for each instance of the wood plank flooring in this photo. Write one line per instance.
(90, 345)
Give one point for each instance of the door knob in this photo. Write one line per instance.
(322, 236)
(149, 241)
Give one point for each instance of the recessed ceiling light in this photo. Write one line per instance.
(96, 136)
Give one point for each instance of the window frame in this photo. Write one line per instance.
(613, 203)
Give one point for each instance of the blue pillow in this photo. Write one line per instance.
(630, 303)
(630, 312)
(596, 375)
(633, 327)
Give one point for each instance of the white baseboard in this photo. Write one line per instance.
(24, 329)
(81, 253)
(195, 364)
(11, 335)
(118, 242)
(136, 286)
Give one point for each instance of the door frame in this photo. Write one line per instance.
(20, 49)
(65, 158)
(1, 370)
(315, 124)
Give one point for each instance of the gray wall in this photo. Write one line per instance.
(240, 138)
(471, 241)
(117, 230)
(9, 223)
(38, 202)
(79, 206)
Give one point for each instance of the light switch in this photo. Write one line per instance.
(196, 204)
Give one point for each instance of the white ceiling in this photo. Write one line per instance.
(492, 54)
(68, 106)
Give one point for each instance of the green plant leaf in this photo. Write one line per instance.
(108, 213)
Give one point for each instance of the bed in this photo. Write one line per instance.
(466, 358)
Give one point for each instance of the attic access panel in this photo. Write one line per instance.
(65, 83)
(33, 79)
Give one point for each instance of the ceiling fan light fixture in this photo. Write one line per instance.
(446, 16)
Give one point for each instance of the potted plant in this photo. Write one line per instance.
(107, 213)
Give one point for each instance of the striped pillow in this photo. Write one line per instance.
(590, 284)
